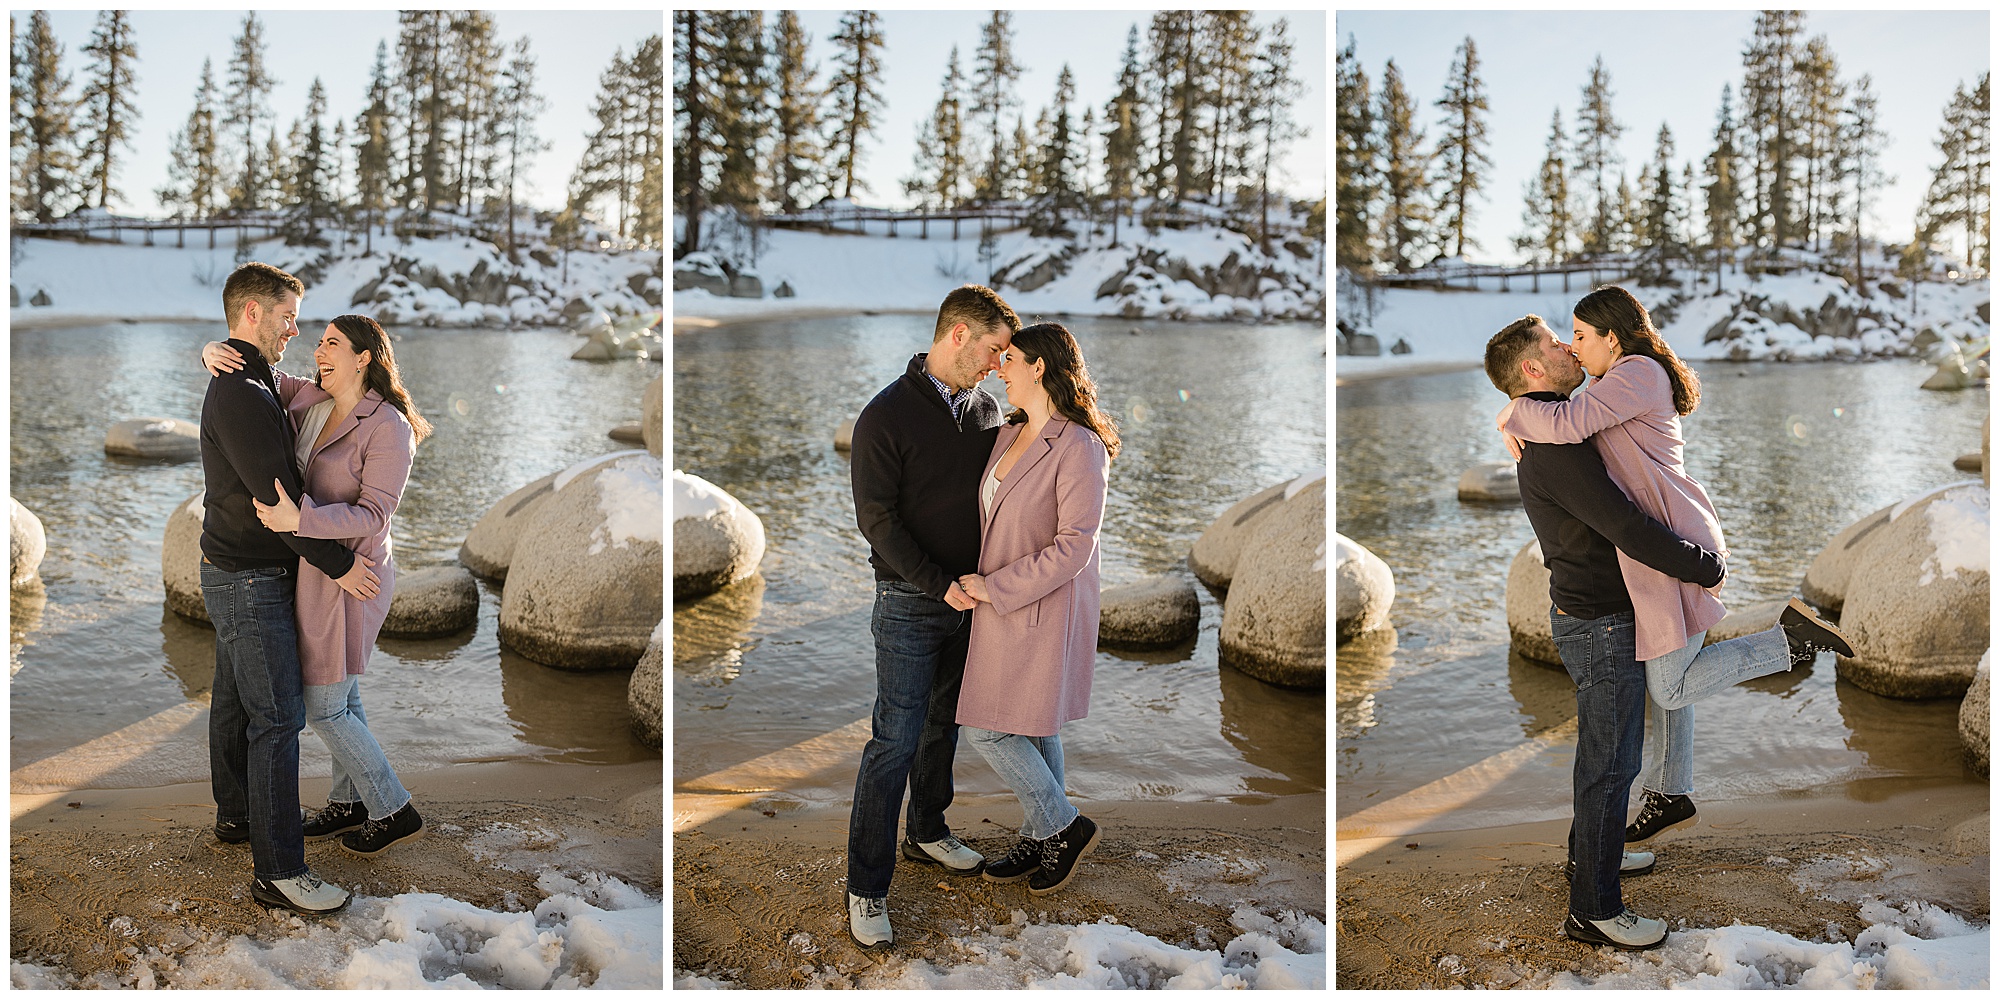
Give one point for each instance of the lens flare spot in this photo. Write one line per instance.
(1137, 410)
(1183, 394)
(1797, 428)
(499, 389)
(1839, 411)
(459, 406)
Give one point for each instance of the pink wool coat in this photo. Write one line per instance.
(353, 483)
(1631, 413)
(1033, 647)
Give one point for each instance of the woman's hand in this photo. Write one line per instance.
(220, 358)
(975, 585)
(284, 516)
(1500, 423)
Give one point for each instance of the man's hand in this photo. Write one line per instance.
(958, 598)
(359, 583)
(975, 585)
(220, 358)
(284, 516)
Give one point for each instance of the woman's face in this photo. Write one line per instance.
(1596, 349)
(339, 366)
(1020, 376)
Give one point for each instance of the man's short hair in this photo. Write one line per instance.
(259, 281)
(1504, 353)
(978, 307)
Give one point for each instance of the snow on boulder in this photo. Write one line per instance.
(652, 420)
(26, 545)
(1214, 555)
(583, 590)
(717, 540)
(1274, 622)
(432, 601)
(1153, 613)
(1952, 372)
(1825, 585)
(1528, 607)
(489, 546)
(1363, 589)
(1491, 481)
(1917, 606)
(180, 560)
(154, 438)
(645, 693)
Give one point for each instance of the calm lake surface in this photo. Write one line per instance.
(508, 407)
(1790, 453)
(1209, 414)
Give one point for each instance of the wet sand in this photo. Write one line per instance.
(85, 857)
(1798, 863)
(747, 881)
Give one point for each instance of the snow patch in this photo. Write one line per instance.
(1958, 530)
(628, 495)
(564, 477)
(1292, 489)
(697, 497)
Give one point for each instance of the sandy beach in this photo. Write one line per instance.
(759, 896)
(103, 876)
(1482, 908)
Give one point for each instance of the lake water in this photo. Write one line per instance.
(1790, 453)
(1209, 414)
(103, 653)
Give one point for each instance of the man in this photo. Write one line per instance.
(248, 580)
(920, 447)
(1583, 519)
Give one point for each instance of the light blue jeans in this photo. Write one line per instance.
(361, 773)
(1687, 675)
(1033, 767)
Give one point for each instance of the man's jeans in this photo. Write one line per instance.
(1687, 675)
(920, 645)
(1601, 658)
(1033, 767)
(361, 773)
(256, 712)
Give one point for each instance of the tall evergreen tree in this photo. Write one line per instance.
(995, 70)
(1772, 103)
(940, 169)
(856, 92)
(1546, 221)
(1273, 88)
(1177, 68)
(1059, 154)
(1658, 221)
(195, 171)
(520, 106)
(1597, 132)
(473, 55)
(1957, 193)
(797, 158)
(1406, 199)
(108, 111)
(1461, 152)
(1228, 42)
(43, 126)
(743, 115)
(648, 109)
(374, 149)
(1356, 161)
(697, 107)
(246, 105)
(313, 175)
(421, 92)
(1722, 204)
(1862, 143)
(1124, 140)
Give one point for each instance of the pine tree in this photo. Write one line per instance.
(1356, 160)
(1406, 209)
(1272, 91)
(313, 176)
(520, 106)
(797, 159)
(1227, 41)
(45, 172)
(939, 161)
(246, 105)
(1124, 139)
(1656, 213)
(605, 167)
(195, 172)
(1978, 175)
(1059, 154)
(473, 56)
(1461, 153)
(1597, 132)
(108, 112)
(1822, 98)
(742, 116)
(1721, 208)
(374, 150)
(275, 179)
(1628, 217)
(995, 70)
(1771, 92)
(421, 89)
(1546, 221)
(855, 92)
(697, 106)
(1957, 192)
(648, 108)
(1177, 69)
(1019, 182)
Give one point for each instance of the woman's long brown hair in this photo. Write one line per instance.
(364, 334)
(1614, 311)
(1067, 380)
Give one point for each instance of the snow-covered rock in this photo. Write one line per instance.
(1917, 605)
(154, 438)
(1974, 716)
(489, 546)
(717, 540)
(583, 589)
(26, 545)
(1363, 589)
(1153, 613)
(1826, 582)
(432, 601)
(1214, 555)
(1491, 481)
(1528, 607)
(180, 560)
(645, 693)
(1274, 621)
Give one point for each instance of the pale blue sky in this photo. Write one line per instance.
(1666, 67)
(1091, 42)
(571, 48)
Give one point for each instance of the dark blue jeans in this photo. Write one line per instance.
(257, 711)
(1601, 658)
(920, 645)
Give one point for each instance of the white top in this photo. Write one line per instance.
(309, 431)
(986, 491)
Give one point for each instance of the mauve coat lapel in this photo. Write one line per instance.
(1031, 456)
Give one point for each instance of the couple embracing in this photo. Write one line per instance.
(983, 533)
(1636, 558)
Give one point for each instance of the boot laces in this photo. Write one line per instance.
(871, 908)
(1052, 849)
(1023, 850)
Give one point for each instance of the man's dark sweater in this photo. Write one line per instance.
(1583, 519)
(246, 442)
(916, 480)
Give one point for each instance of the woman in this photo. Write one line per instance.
(357, 429)
(1632, 412)
(1034, 630)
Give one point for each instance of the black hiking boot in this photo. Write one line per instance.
(337, 818)
(1023, 860)
(1810, 635)
(1060, 854)
(378, 835)
(1658, 814)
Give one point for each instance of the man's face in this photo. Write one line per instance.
(1560, 370)
(276, 326)
(981, 353)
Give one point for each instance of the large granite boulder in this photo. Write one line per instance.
(1153, 613)
(432, 601)
(154, 438)
(1528, 606)
(1214, 555)
(180, 560)
(583, 590)
(645, 693)
(1274, 621)
(1363, 589)
(1826, 582)
(26, 545)
(652, 421)
(489, 546)
(717, 540)
(1500, 481)
(1973, 716)
(1917, 605)
(1746, 619)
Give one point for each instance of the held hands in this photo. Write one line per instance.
(359, 583)
(975, 585)
(220, 358)
(284, 516)
(957, 597)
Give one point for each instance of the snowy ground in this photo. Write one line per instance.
(1286, 951)
(590, 931)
